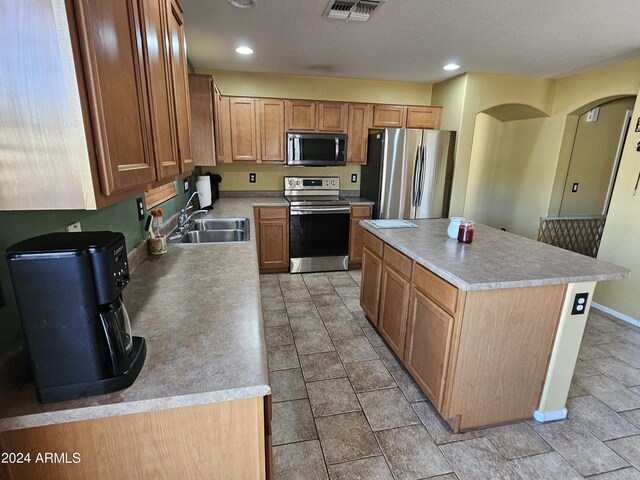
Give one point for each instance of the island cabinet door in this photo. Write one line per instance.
(356, 232)
(394, 306)
(370, 284)
(429, 335)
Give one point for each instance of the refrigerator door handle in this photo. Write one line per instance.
(423, 171)
(416, 176)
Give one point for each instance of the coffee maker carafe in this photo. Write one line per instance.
(68, 288)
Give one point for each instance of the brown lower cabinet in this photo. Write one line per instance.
(356, 232)
(480, 357)
(214, 441)
(394, 299)
(272, 238)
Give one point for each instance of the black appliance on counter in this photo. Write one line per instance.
(68, 288)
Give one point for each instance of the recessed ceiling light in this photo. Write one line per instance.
(244, 50)
(242, 3)
(451, 66)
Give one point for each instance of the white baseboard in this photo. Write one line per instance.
(550, 416)
(615, 313)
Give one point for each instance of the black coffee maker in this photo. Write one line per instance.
(68, 288)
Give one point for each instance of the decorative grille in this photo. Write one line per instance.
(578, 234)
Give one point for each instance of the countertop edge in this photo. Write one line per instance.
(130, 408)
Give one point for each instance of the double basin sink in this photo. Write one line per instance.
(212, 230)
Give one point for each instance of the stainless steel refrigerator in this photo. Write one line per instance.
(408, 173)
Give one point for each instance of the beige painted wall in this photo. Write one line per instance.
(319, 88)
(592, 159)
(481, 92)
(235, 177)
(622, 231)
(511, 174)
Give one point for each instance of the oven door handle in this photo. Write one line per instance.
(319, 210)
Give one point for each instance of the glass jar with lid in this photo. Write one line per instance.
(466, 231)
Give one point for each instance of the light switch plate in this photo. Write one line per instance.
(354, 178)
(252, 178)
(186, 186)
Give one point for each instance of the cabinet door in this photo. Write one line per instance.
(301, 115)
(273, 238)
(178, 51)
(222, 124)
(428, 344)
(272, 130)
(424, 117)
(163, 120)
(370, 284)
(244, 135)
(359, 123)
(356, 232)
(394, 307)
(332, 117)
(117, 93)
(202, 132)
(389, 116)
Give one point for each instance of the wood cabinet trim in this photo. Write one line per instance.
(356, 232)
(202, 98)
(396, 317)
(370, 287)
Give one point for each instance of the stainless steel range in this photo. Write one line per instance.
(318, 224)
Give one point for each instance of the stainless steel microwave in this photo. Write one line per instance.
(316, 149)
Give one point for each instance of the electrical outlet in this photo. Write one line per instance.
(74, 227)
(186, 186)
(252, 178)
(574, 189)
(140, 208)
(354, 178)
(579, 303)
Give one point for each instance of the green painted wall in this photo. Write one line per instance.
(19, 225)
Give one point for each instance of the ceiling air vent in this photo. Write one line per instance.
(355, 10)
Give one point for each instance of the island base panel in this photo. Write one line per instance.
(564, 355)
(215, 441)
(503, 354)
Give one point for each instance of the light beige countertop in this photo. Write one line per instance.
(495, 259)
(199, 309)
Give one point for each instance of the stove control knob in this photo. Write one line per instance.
(291, 182)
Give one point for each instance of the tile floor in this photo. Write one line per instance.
(345, 408)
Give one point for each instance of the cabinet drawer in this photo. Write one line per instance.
(373, 243)
(441, 292)
(361, 211)
(272, 213)
(401, 263)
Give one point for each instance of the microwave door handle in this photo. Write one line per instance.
(414, 190)
(337, 140)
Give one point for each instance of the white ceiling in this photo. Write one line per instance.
(410, 40)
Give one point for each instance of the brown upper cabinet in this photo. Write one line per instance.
(313, 116)
(301, 115)
(271, 116)
(201, 98)
(244, 129)
(222, 126)
(400, 116)
(125, 126)
(332, 117)
(389, 116)
(424, 117)
(178, 57)
(359, 123)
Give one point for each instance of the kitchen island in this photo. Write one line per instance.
(489, 330)
(200, 407)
